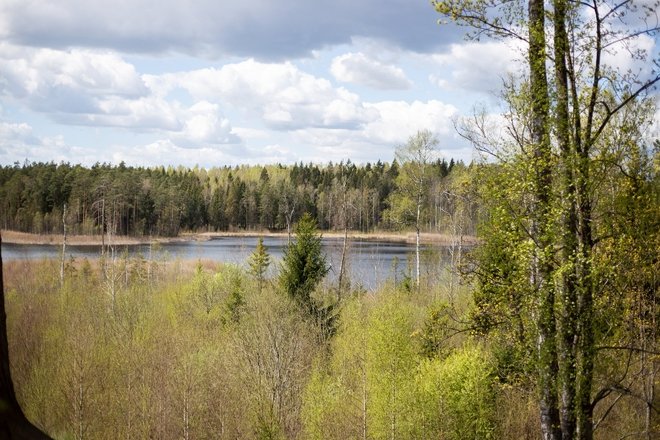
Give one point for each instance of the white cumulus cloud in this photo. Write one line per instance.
(358, 68)
(477, 66)
(93, 88)
(282, 95)
(400, 119)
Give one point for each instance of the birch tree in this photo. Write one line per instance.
(413, 182)
(567, 111)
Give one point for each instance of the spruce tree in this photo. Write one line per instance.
(259, 262)
(303, 268)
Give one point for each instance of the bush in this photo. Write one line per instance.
(456, 397)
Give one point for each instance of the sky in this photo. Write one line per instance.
(226, 82)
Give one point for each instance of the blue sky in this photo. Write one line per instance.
(218, 82)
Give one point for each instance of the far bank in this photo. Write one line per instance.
(17, 237)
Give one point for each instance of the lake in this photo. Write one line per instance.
(370, 263)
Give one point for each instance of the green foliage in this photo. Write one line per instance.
(215, 297)
(303, 268)
(80, 368)
(258, 262)
(377, 383)
(162, 201)
(456, 396)
(407, 204)
(390, 362)
(324, 407)
(434, 335)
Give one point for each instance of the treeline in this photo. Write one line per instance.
(161, 201)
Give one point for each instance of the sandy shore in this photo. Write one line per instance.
(83, 240)
(96, 240)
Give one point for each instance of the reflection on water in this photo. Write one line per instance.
(370, 263)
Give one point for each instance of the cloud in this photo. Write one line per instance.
(100, 89)
(396, 122)
(10, 131)
(261, 28)
(399, 120)
(153, 153)
(18, 142)
(205, 125)
(477, 66)
(633, 56)
(357, 68)
(56, 77)
(283, 96)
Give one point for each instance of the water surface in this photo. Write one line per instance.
(369, 263)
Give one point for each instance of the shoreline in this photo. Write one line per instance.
(15, 237)
(390, 237)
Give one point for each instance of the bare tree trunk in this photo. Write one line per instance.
(342, 264)
(63, 245)
(289, 218)
(103, 227)
(419, 207)
(364, 404)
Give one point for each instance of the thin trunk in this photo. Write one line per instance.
(343, 249)
(419, 206)
(103, 226)
(364, 404)
(393, 414)
(80, 411)
(63, 245)
(186, 420)
(343, 262)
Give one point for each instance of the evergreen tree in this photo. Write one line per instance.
(303, 268)
(259, 262)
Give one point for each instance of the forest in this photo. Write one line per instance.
(546, 328)
(163, 201)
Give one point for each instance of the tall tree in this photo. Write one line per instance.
(413, 183)
(570, 124)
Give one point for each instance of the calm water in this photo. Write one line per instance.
(370, 263)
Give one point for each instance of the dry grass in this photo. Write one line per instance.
(80, 240)
(16, 237)
(393, 237)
